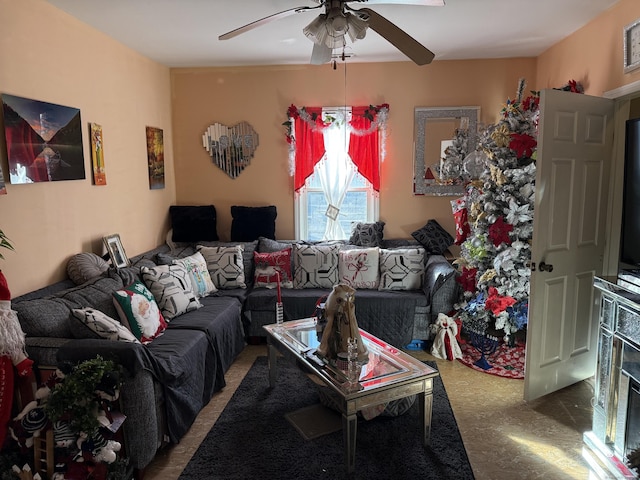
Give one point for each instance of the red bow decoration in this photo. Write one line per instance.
(499, 232)
(522, 144)
(497, 304)
(467, 279)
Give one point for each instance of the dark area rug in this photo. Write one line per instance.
(253, 439)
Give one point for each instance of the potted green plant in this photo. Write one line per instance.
(4, 243)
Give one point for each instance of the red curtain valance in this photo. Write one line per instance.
(306, 142)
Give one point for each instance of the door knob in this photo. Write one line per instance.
(545, 267)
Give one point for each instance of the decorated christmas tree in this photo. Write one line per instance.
(494, 223)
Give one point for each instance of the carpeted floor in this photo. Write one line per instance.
(253, 439)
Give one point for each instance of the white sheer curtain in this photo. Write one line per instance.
(335, 172)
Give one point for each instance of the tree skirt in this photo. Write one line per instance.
(506, 361)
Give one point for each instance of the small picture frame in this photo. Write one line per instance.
(116, 251)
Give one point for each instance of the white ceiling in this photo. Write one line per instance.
(184, 33)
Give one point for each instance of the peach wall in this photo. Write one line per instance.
(261, 95)
(593, 54)
(48, 55)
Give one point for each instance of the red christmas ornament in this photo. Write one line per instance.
(499, 232)
(467, 279)
(522, 144)
(496, 303)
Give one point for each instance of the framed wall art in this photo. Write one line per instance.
(116, 251)
(97, 154)
(434, 130)
(44, 141)
(631, 46)
(155, 157)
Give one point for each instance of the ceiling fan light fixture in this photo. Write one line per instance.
(316, 31)
(357, 27)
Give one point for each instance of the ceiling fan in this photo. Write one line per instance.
(328, 30)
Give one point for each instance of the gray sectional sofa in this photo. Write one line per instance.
(169, 380)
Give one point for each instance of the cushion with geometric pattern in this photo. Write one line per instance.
(367, 234)
(171, 287)
(315, 266)
(225, 266)
(402, 268)
(435, 239)
(103, 325)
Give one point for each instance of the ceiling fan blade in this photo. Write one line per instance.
(321, 54)
(262, 21)
(425, 3)
(396, 36)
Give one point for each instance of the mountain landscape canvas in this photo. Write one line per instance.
(44, 141)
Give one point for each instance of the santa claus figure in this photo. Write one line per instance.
(12, 356)
(445, 345)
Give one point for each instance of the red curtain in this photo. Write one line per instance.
(364, 150)
(309, 146)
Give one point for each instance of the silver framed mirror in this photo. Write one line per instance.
(434, 130)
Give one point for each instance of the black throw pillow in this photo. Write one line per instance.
(193, 223)
(250, 223)
(435, 239)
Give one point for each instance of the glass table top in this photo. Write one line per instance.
(386, 364)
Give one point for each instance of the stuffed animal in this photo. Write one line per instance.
(341, 325)
(445, 345)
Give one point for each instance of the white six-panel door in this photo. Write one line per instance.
(575, 145)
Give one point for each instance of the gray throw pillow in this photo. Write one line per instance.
(367, 234)
(82, 267)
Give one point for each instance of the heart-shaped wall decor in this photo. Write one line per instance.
(231, 148)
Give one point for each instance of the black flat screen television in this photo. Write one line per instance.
(630, 235)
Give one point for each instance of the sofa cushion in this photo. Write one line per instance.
(45, 317)
(367, 234)
(193, 223)
(250, 223)
(267, 265)
(84, 266)
(196, 267)
(435, 239)
(358, 268)
(225, 265)
(402, 268)
(139, 311)
(171, 288)
(316, 266)
(103, 325)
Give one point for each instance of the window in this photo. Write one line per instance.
(335, 195)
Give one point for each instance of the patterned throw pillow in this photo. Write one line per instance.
(171, 287)
(225, 266)
(359, 268)
(435, 239)
(316, 266)
(139, 311)
(196, 267)
(105, 326)
(268, 264)
(367, 234)
(401, 269)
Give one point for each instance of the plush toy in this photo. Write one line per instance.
(341, 325)
(12, 354)
(445, 345)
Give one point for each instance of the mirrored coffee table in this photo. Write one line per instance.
(389, 375)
